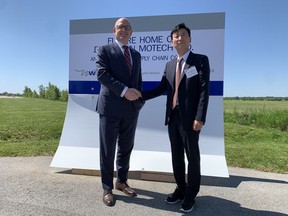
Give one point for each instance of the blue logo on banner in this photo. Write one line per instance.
(86, 72)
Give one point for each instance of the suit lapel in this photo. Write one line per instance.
(171, 74)
(172, 69)
(119, 53)
(187, 65)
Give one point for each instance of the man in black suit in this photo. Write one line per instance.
(119, 72)
(186, 108)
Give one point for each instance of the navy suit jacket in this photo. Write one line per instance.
(193, 92)
(113, 74)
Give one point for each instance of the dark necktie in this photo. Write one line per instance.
(127, 58)
(177, 80)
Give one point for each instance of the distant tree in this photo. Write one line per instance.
(52, 92)
(27, 92)
(42, 91)
(64, 95)
(34, 94)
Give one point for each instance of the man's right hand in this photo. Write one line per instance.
(132, 94)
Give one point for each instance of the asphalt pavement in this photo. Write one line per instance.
(29, 186)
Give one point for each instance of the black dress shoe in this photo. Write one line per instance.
(125, 188)
(187, 205)
(175, 197)
(108, 198)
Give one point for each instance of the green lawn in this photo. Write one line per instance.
(253, 138)
(256, 134)
(30, 127)
(256, 148)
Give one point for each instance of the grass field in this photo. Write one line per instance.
(256, 134)
(244, 105)
(30, 127)
(253, 138)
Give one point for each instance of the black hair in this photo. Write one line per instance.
(178, 27)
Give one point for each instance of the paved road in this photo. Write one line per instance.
(28, 186)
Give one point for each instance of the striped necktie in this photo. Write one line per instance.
(177, 80)
(127, 58)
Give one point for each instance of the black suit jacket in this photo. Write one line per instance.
(113, 74)
(193, 92)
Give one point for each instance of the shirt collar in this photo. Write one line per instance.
(119, 44)
(185, 56)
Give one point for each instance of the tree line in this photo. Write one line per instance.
(267, 98)
(50, 92)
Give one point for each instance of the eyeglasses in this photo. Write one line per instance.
(125, 27)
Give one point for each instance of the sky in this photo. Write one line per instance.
(34, 40)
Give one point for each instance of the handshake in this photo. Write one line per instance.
(132, 94)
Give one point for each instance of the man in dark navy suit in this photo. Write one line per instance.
(119, 72)
(186, 81)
